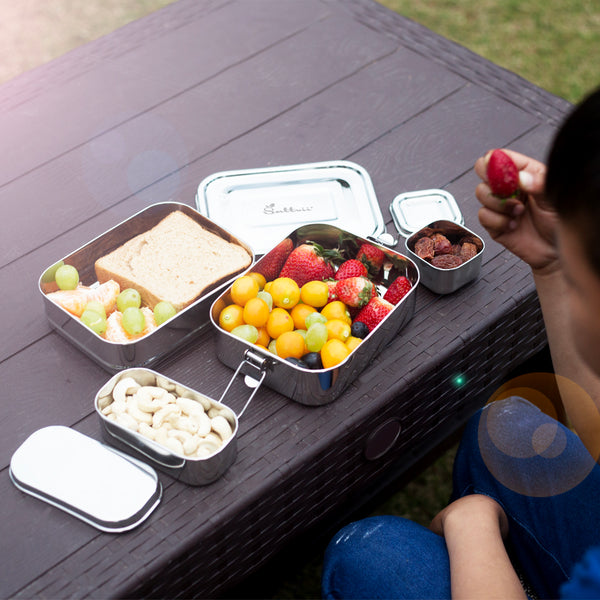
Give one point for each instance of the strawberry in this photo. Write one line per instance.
(271, 263)
(502, 174)
(351, 268)
(354, 291)
(372, 257)
(331, 283)
(397, 290)
(374, 312)
(308, 262)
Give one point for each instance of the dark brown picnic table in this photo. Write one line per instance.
(142, 116)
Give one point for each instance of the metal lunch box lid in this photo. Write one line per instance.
(262, 206)
(413, 210)
(85, 478)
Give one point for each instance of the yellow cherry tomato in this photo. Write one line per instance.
(337, 329)
(285, 292)
(299, 314)
(243, 289)
(314, 293)
(333, 353)
(256, 312)
(336, 310)
(290, 344)
(279, 322)
(231, 316)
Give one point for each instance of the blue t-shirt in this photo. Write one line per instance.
(585, 578)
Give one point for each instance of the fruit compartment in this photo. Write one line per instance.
(150, 349)
(320, 386)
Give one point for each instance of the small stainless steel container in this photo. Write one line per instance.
(133, 439)
(320, 386)
(150, 349)
(422, 213)
(446, 281)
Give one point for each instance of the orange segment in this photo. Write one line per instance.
(75, 301)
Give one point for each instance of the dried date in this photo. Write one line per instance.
(446, 261)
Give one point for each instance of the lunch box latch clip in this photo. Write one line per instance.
(254, 368)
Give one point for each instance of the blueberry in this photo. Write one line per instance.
(312, 360)
(359, 330)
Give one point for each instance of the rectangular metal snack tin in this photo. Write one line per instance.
(446, 281)
(316, 387)
(264, 205)
(124, 435)
(435, 211)
(150, 349)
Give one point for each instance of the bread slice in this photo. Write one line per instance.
(177, 260)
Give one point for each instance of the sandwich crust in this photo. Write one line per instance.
(176, 261)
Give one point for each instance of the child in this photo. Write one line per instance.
(526, 488)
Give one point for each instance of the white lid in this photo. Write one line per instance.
(95, 483)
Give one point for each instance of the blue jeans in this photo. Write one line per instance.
(537, 469)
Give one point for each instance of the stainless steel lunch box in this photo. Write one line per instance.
(192, 470)
(416, 212)
(319, 386)
(446, 281)
(150, 349)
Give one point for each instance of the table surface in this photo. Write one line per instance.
(142, 116)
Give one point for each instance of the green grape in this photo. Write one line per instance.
(94, 320)
(163, 311)
(246, 332)
(96, 307)
(127, 298)
(316, 336)
(314, 317)
(49, 274)
(133, 320)
(66, 277)
(272, 347)
(267, 298)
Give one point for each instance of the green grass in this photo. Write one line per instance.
(552, 43)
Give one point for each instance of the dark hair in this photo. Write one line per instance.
(573, 176)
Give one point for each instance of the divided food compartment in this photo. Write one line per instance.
(316, 387)
(150, 349)
(171, 426)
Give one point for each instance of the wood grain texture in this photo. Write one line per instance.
(142, 116)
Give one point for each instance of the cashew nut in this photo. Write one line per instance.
(221, 426)
(191, 445)
(185, 422)
(147, 431)
(149, 403)
(164, 413)
(202, 422)
(127, 385)
(136, 413)
(126, 420)
(189, 406)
